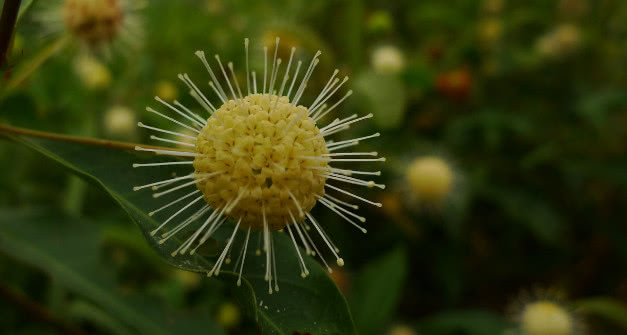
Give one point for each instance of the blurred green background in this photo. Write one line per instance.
(525, 100)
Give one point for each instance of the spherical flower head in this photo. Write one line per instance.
(92, 73)
(119, 121)
(257, 143)
(430, 179)
(546, 318)
(261, 161)
(563, 40)
(388, 59)
(95, 22)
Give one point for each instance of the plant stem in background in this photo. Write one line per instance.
(7, 25)
(31, 65)
(8, 131)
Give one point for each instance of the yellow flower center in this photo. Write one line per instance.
(93, 21)
(260, 158)
(546, 318)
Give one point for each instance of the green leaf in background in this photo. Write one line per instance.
(462, 323)
(606, 308)
(382, 95)
(311, 305)
(68, 249)
(377, 290)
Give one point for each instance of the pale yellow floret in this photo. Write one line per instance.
(546, 318)
(429, 178)
(256, 142)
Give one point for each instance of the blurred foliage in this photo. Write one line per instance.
(525, 99)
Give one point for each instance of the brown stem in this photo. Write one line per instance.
(37, 311)
(10, 130)
(7, 25)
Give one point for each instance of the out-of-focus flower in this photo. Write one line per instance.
(564, 39)
(228, 315)
(166, 90)
(379, 22)
(544, 313)
(401, 330)
(490, 31)
(92, 73)
(455, 84)
(95, 24)
(120, 122)
(259, 163)
(388, 59)
(430, 179)
(215, 6)
(546, 318)
(189, 280)
(493, 6)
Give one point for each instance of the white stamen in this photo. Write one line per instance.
(136, 165)
(255, 81)
(346, 123)
(324, 90)
(173, 120)
(329, 95)
(344, 178)
(340, 261)
(137, 188)
(346, 145)
(341, 202)
(354, 195)
(190, 84)
(230, 65)
(274, 61)
(302, 238)
(247, 74)
(170, 152)
(294, 79)
(225, 76)
(216, 267)
(201, 55)
(287, 72)
(196, 116)
(303, 267)
(165, 236)
(265, 68)
(352, 140)
(139, 124)
(199, 124)
(321, 114)
(203, 177)
(276, 276)
(300, 209)
(335, 208)
(371, 153)
(175, 214)
(241, 269)
(172, 203)
(153, 137)
(303, 84)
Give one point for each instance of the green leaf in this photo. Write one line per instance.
(311, 305)
(462, 323)
(384, 96)
(376, 291)
(607, 308)
(68, 250)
